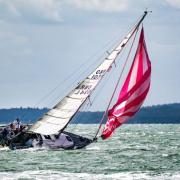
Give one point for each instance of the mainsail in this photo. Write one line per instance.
(56, 119)
(133, 92)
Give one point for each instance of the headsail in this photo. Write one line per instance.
(133, 92)
(60, 115)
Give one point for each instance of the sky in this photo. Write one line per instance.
(46, 46)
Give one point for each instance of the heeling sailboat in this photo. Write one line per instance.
(50, 128)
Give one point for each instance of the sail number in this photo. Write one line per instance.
(98, 74)
(83, 89)
(86, 89)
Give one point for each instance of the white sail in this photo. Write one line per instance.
(60, 115)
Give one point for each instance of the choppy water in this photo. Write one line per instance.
(134, 152)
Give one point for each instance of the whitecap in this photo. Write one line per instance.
(165, 155)
(53, 175)
(97, 148)
(4, 149)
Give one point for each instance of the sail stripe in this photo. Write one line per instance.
(132, 105)
(130, 112)
(140, 87)
(133, 75)
(140, 58)
(130, 98)
(145, 77)
(136, 101)
(133, 92)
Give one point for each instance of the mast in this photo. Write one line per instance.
(56, 119)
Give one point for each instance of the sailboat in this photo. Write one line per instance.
(50, 130)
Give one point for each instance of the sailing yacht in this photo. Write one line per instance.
(50, 130)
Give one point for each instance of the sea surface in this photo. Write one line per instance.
(134, 152)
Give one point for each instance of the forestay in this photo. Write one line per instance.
(60, 115)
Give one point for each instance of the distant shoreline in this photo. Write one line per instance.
(158, 114)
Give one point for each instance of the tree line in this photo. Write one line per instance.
(164, 114)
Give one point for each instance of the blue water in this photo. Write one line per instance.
(134, 152)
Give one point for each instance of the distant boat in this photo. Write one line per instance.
(50, 130)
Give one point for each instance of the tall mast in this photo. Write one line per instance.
(56, 119)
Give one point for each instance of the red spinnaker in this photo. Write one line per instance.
(133, 92)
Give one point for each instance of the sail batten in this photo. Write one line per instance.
(59, 117)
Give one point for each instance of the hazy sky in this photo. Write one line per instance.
(43, 42)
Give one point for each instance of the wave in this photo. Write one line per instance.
(4, 149)
(97, 148)
(52, 175)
